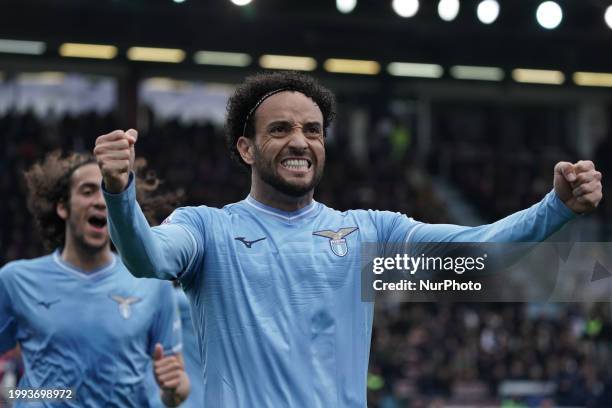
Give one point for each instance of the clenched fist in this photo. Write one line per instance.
(170, 376)
(114, 153)
(578, 185)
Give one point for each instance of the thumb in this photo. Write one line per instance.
(132, 135)
(566, 169)
(158, 354)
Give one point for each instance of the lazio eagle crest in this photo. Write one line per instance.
(124, 304)
(336, 239)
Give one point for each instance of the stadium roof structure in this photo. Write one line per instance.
(418, 56)
(317, 29)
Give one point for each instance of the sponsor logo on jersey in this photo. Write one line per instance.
(248, 243)
(125, 309)
(48, 304)
(336, 239)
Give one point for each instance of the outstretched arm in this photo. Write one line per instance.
(163, 252)
(577, 190)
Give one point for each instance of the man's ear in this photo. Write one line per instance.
(62, 210)
(245, 149)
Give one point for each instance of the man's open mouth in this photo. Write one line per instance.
(97, 221)
(296, 164)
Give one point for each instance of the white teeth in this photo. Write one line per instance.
(296, 164)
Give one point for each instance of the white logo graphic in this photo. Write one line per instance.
(124, 304)
(336, 239)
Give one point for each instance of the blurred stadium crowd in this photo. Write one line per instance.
(502, 354)
(422, 354)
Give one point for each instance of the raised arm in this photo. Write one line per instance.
(577, 190)
(164, 252)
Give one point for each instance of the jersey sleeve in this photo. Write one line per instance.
(164, 252)
(8, 324)
(166, 327)
(392, 227)
(186, 220)
(533, 224)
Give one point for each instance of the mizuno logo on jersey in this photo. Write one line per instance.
(336, 239)
(124, 304)
(246, 243)
(48, 304)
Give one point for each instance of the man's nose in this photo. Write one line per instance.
(298, 139)
(99, 201)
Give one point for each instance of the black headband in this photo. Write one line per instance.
(259, 102)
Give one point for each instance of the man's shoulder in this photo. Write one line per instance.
(195, 214)
(123, 276)
(25, 273)
(26, 266)
(156, 289)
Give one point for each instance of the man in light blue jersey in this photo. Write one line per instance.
(274, 280)
(82, 321)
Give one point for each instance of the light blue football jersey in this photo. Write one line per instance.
(276, 295)
(93, 332)
(191, 354)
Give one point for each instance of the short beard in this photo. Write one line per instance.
(82, 245)
(269, 175)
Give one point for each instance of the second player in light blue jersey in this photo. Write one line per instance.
(83, 322)
(274, 280)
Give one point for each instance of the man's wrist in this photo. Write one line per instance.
(170, 398)
(562, 208)
(114, 185)
(176, 396)
(111, 190)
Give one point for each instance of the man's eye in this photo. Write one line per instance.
(278, 129)
(314, 131)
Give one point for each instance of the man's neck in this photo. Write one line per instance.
(275, 199)
(86, 259)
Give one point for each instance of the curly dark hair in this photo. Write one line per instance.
(48, 183)
(248, 94)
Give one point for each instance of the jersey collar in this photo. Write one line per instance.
(283, 215)
(89, 275)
